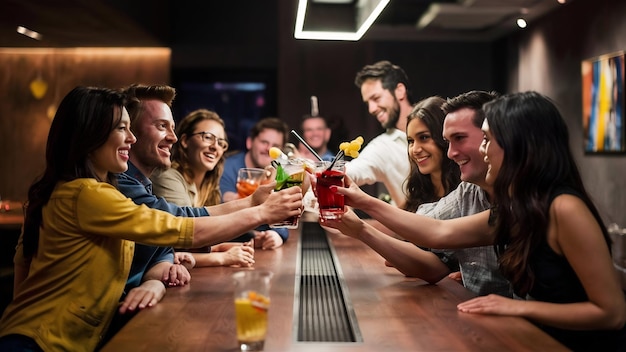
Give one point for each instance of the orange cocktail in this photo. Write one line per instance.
(249, 179)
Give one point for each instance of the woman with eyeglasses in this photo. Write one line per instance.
(549, 237)
(193, 180)
(197, 162)
(80, 231)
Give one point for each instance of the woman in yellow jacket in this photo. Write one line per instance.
(79, 231)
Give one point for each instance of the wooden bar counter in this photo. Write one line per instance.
(393, 312)
(11, 215)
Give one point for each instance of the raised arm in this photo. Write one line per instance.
(258, 197)
(404, 256)
(470, 231)
(278, 206)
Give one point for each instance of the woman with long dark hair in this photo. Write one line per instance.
(79, 230)
(550, 239)
(432, 174)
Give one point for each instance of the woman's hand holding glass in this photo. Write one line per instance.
(349, 224)
(354, 196)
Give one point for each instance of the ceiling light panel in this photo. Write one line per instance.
(324, 21)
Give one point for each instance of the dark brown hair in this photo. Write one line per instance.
(537, 163)
(389, 75)
(272, 123)
(137, 93)
(209, 191)
(419, 188)
(83, 122)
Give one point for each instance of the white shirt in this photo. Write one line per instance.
(384, 159)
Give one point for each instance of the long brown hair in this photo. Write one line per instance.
(419, 188)
(209, 190)
(537, 162)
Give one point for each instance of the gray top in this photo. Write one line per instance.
(479, 265)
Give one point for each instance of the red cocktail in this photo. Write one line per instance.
(331, 204)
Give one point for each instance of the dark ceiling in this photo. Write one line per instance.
(73, 23)
(405, 12)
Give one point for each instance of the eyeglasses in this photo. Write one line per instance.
(211, 139)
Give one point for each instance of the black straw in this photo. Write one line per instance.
(306, 145)
(339, 155)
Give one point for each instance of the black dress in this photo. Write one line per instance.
(556, 282)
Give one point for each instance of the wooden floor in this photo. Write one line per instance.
(394, 313)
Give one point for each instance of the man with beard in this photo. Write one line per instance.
(478, 265)
(385, 88)
(149, 109)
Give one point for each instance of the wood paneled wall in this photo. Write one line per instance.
(25, 120)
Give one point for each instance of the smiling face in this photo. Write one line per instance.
(422, 148)
(315, 132)
(154, 129)
(381, 103)
(202, 155)
(464, 140)
(259, 148)
(492, 153)
(112, 156)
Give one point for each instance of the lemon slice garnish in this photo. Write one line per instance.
(275, 153)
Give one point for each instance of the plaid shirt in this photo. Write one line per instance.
(478, 265)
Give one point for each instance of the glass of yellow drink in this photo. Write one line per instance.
(252, 303)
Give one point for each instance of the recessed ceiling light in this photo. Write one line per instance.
(373, 7)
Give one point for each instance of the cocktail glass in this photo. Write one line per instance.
(290, 173)
(252, 301)
(331, 204)
(248, 180)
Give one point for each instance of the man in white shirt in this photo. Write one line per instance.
(385, 88)
(478, 265)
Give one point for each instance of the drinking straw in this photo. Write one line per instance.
(306, 145)
(339, 155)
(314, 107)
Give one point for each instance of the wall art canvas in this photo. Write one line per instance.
(603, 104)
